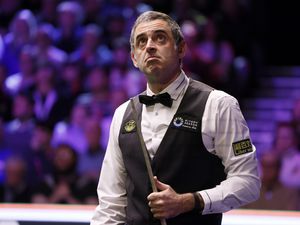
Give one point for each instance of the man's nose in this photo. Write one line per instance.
(150, 45)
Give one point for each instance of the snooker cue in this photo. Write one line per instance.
(145, 153)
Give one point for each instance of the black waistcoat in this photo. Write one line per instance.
(181, 160)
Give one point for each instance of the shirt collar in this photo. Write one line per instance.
(175, 88)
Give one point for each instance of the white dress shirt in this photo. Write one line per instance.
(222, 125)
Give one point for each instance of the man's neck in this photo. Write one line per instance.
(157, 86)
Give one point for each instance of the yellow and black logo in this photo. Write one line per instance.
(130, 126)
(242, 147)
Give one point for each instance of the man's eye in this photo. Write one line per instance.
(141, 42)
(161, 38)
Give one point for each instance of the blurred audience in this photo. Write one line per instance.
(15, 188)
(22, 31)
(64, 185)
(18, 131)
(274, 195)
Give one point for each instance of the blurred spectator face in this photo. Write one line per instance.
(285, 138)
(41, 138)
(79, 115)
(97, 80)
(65, 159)
(15, 169)
(93, 132)
(270, 168)
(69, 14)
(26, 63)
(90, 39)
(22, 108)
(43, 38)
(23, 27)
(44, 79)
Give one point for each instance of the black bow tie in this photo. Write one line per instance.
(164, 99)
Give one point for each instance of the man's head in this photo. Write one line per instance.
(153, 15)
(157, 47)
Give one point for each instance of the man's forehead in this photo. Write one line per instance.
(152, 26)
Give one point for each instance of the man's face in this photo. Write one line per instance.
(155, 51)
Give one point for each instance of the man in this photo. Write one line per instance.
(198, 143)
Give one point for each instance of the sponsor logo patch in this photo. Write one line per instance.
(242, 147)
(130, 126)
(185, 123)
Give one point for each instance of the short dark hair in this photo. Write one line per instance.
(154, 15)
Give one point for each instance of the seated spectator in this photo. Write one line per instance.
(97, 90)
(91, 50)
(41, 153)
(90, 162)
(69, 30)
(45, 49)
(274, 195)
(49, 104)
(285, 141)
(71, 80)
(20, 128)
(65, 185)
(71, 131)
(25, 79)
(22, 33)
(15, 188)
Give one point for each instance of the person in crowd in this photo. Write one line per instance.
(91, 50)
(46, 51)
(97, 87)
(64, 184)
(41, 153)
(287, 148)
(196, 142)
(90, 162)
(15, 188)
(71, 131)
(274, 194)
(24, 80)
(49, 104)
(285, 142)
(21, 126)
(69, 30)
(22, 32)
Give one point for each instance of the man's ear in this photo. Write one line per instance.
(181, 48)
(133, 59)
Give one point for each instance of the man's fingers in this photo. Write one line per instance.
(160, 185)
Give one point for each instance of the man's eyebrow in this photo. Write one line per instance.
(154, 31)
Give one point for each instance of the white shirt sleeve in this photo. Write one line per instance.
(111, 187)
(222, 125)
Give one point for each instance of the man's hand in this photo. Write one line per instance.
(167, 203)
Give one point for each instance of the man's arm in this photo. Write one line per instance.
(226, 134)
(111, 187)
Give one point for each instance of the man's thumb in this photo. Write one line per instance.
(160, 185)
